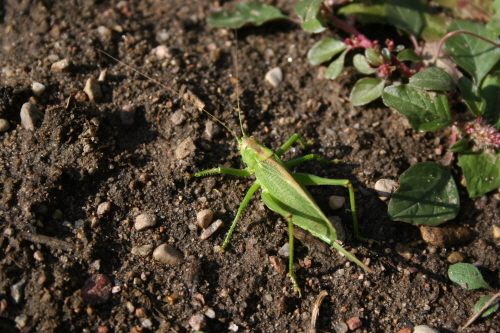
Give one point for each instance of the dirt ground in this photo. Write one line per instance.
(73, 187)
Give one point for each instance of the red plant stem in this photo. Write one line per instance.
(402, 67)
(363, 41)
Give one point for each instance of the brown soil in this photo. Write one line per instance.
(85, 153)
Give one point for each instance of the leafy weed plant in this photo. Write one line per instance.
(422, 91)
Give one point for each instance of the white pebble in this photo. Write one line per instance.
(21, 320)
(61, 66)
(185, 148)
(210, 313)
(105, 32)
(146, 323)
(336, 202)
(30, 115)
(204, 218)
(162, 52)
(211, 229)
(385, 188)
(38, 88)
(233, 327)
(4, 125)
(197, 322)
(144, 221)
(274, 76)
(285, 250)
(496, 231)
(93, 90)
(424, 329)
(104, 208)
(167, 254)
(142, 251)
(38, 255)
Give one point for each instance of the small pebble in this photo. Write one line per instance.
(4, 125)
(204, 218)
(38, 255)
(127, 114)
(38, 88)
(97, 289)
(211, 229)
(233, 327)
(456, 257)
(336, 202)
(496, 231)
(340, 328)
(30, 116)
(424, 329)
(144, 221)
(93, 90)
(211, 129)
(197, 322)
(168, 255)
(142, 251)
(284, 251)
(105, 32)
(62, 66)
(146, 323)
(268, 298)
(210, 313)
(130, 307)
(278, 264)
(103, 208)
(103, 329)
(385, 188)
(162, 52)
(178, 118)
(103, 75)
(354, 323)
(21, 320)
(274, 76)
(445, 236)
(185, 148)
(17, 290)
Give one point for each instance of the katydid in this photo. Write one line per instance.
(282, 191)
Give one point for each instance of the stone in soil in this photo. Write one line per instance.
(446, 235)
(97, 289)
(211, 229)
(144, 221)
(168, 255)
(30, 116)
(185, 148)
(93, 90)
(204, 218)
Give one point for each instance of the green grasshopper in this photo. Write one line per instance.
(283, 191)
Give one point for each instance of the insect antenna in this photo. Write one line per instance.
(236, 68)
(174, 92)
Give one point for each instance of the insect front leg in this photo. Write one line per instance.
(227, 171)
(296, 137)
(243, 204)
(307, 179)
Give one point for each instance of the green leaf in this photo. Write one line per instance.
(366, 90)
(335, 67)
(245, 13)
(466, 276)
(490, 90)
(427, 195)
(307, 9)
(481, 172)
(471, 96)
(364, 12)
(461, 146)
(405, 15)
(433, 78)
(475, 56)
(324, 50)
(374, 57)
(482, 302)
(314, 25)
(425, 110)
(409, 55)
(361, 64)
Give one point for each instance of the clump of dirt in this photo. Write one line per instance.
(72, 188)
